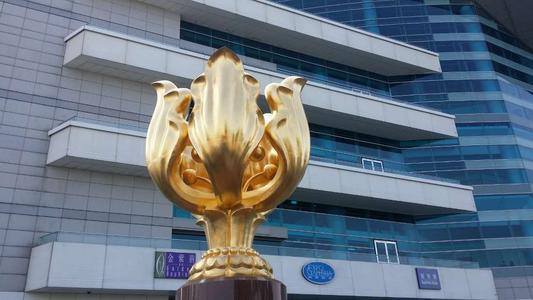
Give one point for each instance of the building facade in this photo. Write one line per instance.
(487, 82)
(420, 115)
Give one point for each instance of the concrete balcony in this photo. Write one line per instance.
(346, 186)
(99, 268)
(295, 30)
(115, 54)
(86, 145)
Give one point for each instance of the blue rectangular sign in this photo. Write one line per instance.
(428, 279)
(173, 264)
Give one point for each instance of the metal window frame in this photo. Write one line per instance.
(387, 242)
(372, 162)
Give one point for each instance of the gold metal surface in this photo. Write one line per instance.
(227, 162)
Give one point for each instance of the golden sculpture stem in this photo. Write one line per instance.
(227, 257)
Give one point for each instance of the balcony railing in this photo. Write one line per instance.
(199, 245)
(333, 157)
(328, 155)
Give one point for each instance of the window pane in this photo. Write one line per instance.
(367, 164)
(391, 251)
(381, 252)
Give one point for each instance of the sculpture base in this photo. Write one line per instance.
(238, 288)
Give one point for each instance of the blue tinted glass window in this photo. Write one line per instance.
(441, 27)
(289, 61)
(476, 129)
(468, 27)
(504, 202)
(495, 229)
(388, 12)
(474, 46)
(463, 9)
(418, 10)
(478, 65)
(438, 10)
(463, 231)
(465, 107)
(433, 233)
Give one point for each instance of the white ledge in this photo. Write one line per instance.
(302, 32)
(57, 267)
(120, 55)
(119, 150)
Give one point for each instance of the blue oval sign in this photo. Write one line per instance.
(318, 272)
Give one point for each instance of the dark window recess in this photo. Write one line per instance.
(346, 211)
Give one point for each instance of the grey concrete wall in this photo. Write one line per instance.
(36, 94)
(514, 282)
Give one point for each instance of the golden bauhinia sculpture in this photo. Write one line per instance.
(226, 162)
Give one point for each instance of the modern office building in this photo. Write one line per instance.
(421, 174)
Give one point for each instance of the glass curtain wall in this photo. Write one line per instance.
(486, 83)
